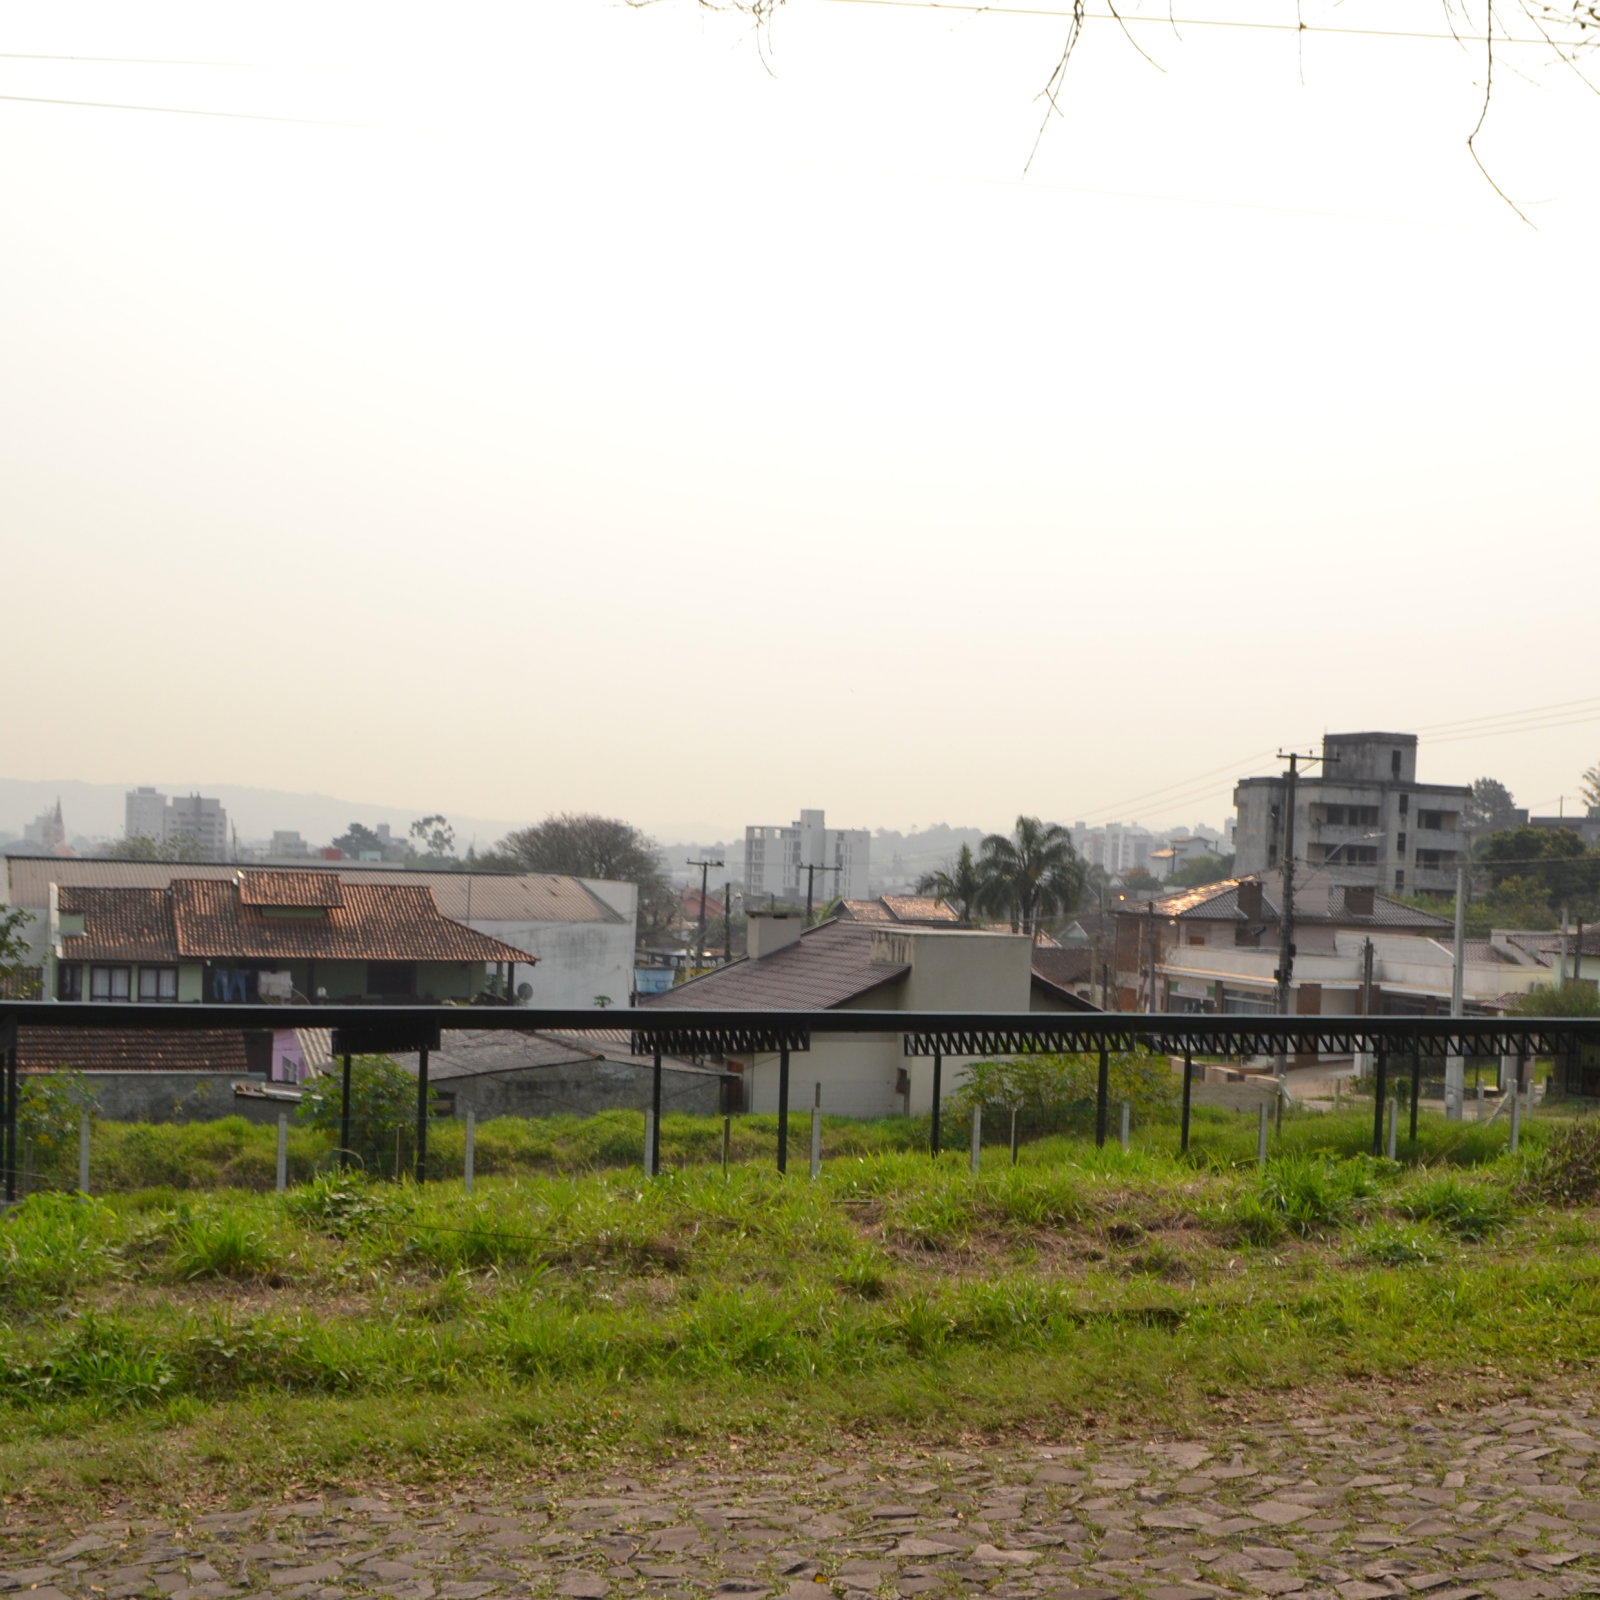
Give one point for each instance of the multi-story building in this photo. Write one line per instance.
(1362, 816)
(191, 825)
(776, 859)
(1116, 847)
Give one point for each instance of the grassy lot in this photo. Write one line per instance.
(197, 1339)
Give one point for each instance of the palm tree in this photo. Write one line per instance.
(1032, 875)
(958, 882)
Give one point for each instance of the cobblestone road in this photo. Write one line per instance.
(1502, 1503)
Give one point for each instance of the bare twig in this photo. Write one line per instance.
(1052, 87)
(1488, 94)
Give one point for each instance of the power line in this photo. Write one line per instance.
(1185, 22)
(145, 61)
(179, 111)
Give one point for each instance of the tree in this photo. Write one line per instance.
(383, 1101)
(1554, 859)
(141, 847)
(1490, 809)
(1030, 876)
(957, 883)
(357, 840)
(1589, 787)
(1200, 870)
(18, 975)
(584, 845)
(436, 837)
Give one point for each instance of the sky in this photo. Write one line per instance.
(619, 408)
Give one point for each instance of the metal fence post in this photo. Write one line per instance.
(1516, 1113)
(1013, 1136)
(422, 1115)
(1394, 1123)
(467, 1156)
(938, 1090)
(1379, 1095)
(1416, 1090)
(1480, 1097)
(1127, 1117)
(816, 1134)
(727, 1139)
(283, 1151)
(977, 1138)
(655, 1114)
(649, 1143)
(83, 1152)
(1188, 1080)
(1261, 1137)
(10, 1096)
(1101, 1094)
(344, 1116)
(783, 1109)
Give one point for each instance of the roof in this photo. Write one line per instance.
(1317, 899)
(465, 896)
(207, 919)
(219, 1050)
(475, 1052)
(917, 909)
(1063, 965)
(292, 889)
(825, 967)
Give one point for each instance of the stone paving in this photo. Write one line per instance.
(1502, 1503)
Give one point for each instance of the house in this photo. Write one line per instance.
(865, 966)
(1362, 816)
(575, 936)
(266, 935)
(902, 910)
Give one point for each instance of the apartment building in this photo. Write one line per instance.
(776, 859)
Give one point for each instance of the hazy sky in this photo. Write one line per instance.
(617, 419)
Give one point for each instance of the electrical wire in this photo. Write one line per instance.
(145, 61)
(179, 111)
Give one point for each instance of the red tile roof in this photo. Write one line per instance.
(373, 922)
(904, 908)
(293, 889)
(119, 925)
(826, 967)
(221, 1051)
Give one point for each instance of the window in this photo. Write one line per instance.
(108, 983)
(1197, 936)
(1394, 763)
(1400, 843)
(158, 983)
(391, 978)
(1405, 804)
(1399, 881)
(1439, 820)
(1357, 855)
(1435, 860)
(69, 981)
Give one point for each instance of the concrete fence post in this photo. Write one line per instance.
(816, 1134)
(1261, 1137)
(649, 1143)
(1127, 1117)
(1394, 1124)
(283, 1151)
(727, 1141)
(83, 1152)
(1516, 1113)
(977, 1138)
(470, 1152)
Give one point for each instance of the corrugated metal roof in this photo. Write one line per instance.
(487, 896)
(826, 967)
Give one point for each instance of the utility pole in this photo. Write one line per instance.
(1455, 1067)
(1150, 918)
(727, 923)
(1285, 970)
(811, 878)
(1366, 997)
(705, 867)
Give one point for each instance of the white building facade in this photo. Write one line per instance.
(195, 821)
(776, 859)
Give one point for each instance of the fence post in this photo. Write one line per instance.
(1127, 1117)
(283, 1151)
(1338, 1103)
(10, 1092)
(1394, 1124)
(938, 1089)
(83, 1152)
(344, 1117)
(422, 1115)
(649, 1143)
(1261, 1137)
(1013, 1136)
(1416, 1091)
(1101, 1093)
(470, 1151)
(1188, 1079)
(727, 1139)
(977, 1138)
(1480, 1096)
(1516, 1113)
(1379, 1095)
(816, 1134)
(655, 1114)
(783, 1109)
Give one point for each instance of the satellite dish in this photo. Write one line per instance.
(524, 991)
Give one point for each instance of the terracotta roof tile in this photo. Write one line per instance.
(120, 925)
(293, 889)
(221, 1051)
(826, 967)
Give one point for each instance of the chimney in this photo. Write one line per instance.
(1250, 899)
(772, 930)
(1357, 902)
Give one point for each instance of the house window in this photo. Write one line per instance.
(391, 978)
(1394, 763)
(1197, 936)
(1405, 804)
(1399, 881)
(158, 983)
(69, 981)
(108, 983)
(1400, 844)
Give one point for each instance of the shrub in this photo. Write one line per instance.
(1567, 1171)
(1054, 1093)
(383, 1101)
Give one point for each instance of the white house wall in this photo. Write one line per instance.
(577, 960)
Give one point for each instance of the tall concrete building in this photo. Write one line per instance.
(145, 815)
(193, 826)
(775, 859)
(1361, 814)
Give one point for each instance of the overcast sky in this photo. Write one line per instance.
(625, 417)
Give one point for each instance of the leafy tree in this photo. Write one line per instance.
(49, 1108)
(1056, 1092)
(1030, 876)
(957, 883)
(1559, 1000)
(584, 845)
(18, 975)
(436, 837)
(1490, 809)
(1555, 858)
(1589, 787)
(357, 839)
(383, 1100)
(141, 847)
(1201, 870)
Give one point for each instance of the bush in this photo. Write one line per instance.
(1468, 1210)
(383, 1102)
(1567, 1171)
(1057, 1093)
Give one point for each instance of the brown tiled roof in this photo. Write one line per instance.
(291, 889)
(220, 1051)
(1220, 902)
(120, 925)
(374, 922)
(1063, 966)
(866, 911)
(917, 909)
(825, 967)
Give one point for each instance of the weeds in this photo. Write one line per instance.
(1468, 1210)
(220, 1244)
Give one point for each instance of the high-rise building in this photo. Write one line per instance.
(192, 827)
(145, 815)
(776, 858)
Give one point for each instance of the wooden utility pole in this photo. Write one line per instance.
(700, 946)
(811, 878)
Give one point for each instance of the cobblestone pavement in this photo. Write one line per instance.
(1503, 1503)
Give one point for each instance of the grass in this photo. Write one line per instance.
(197, 1337)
